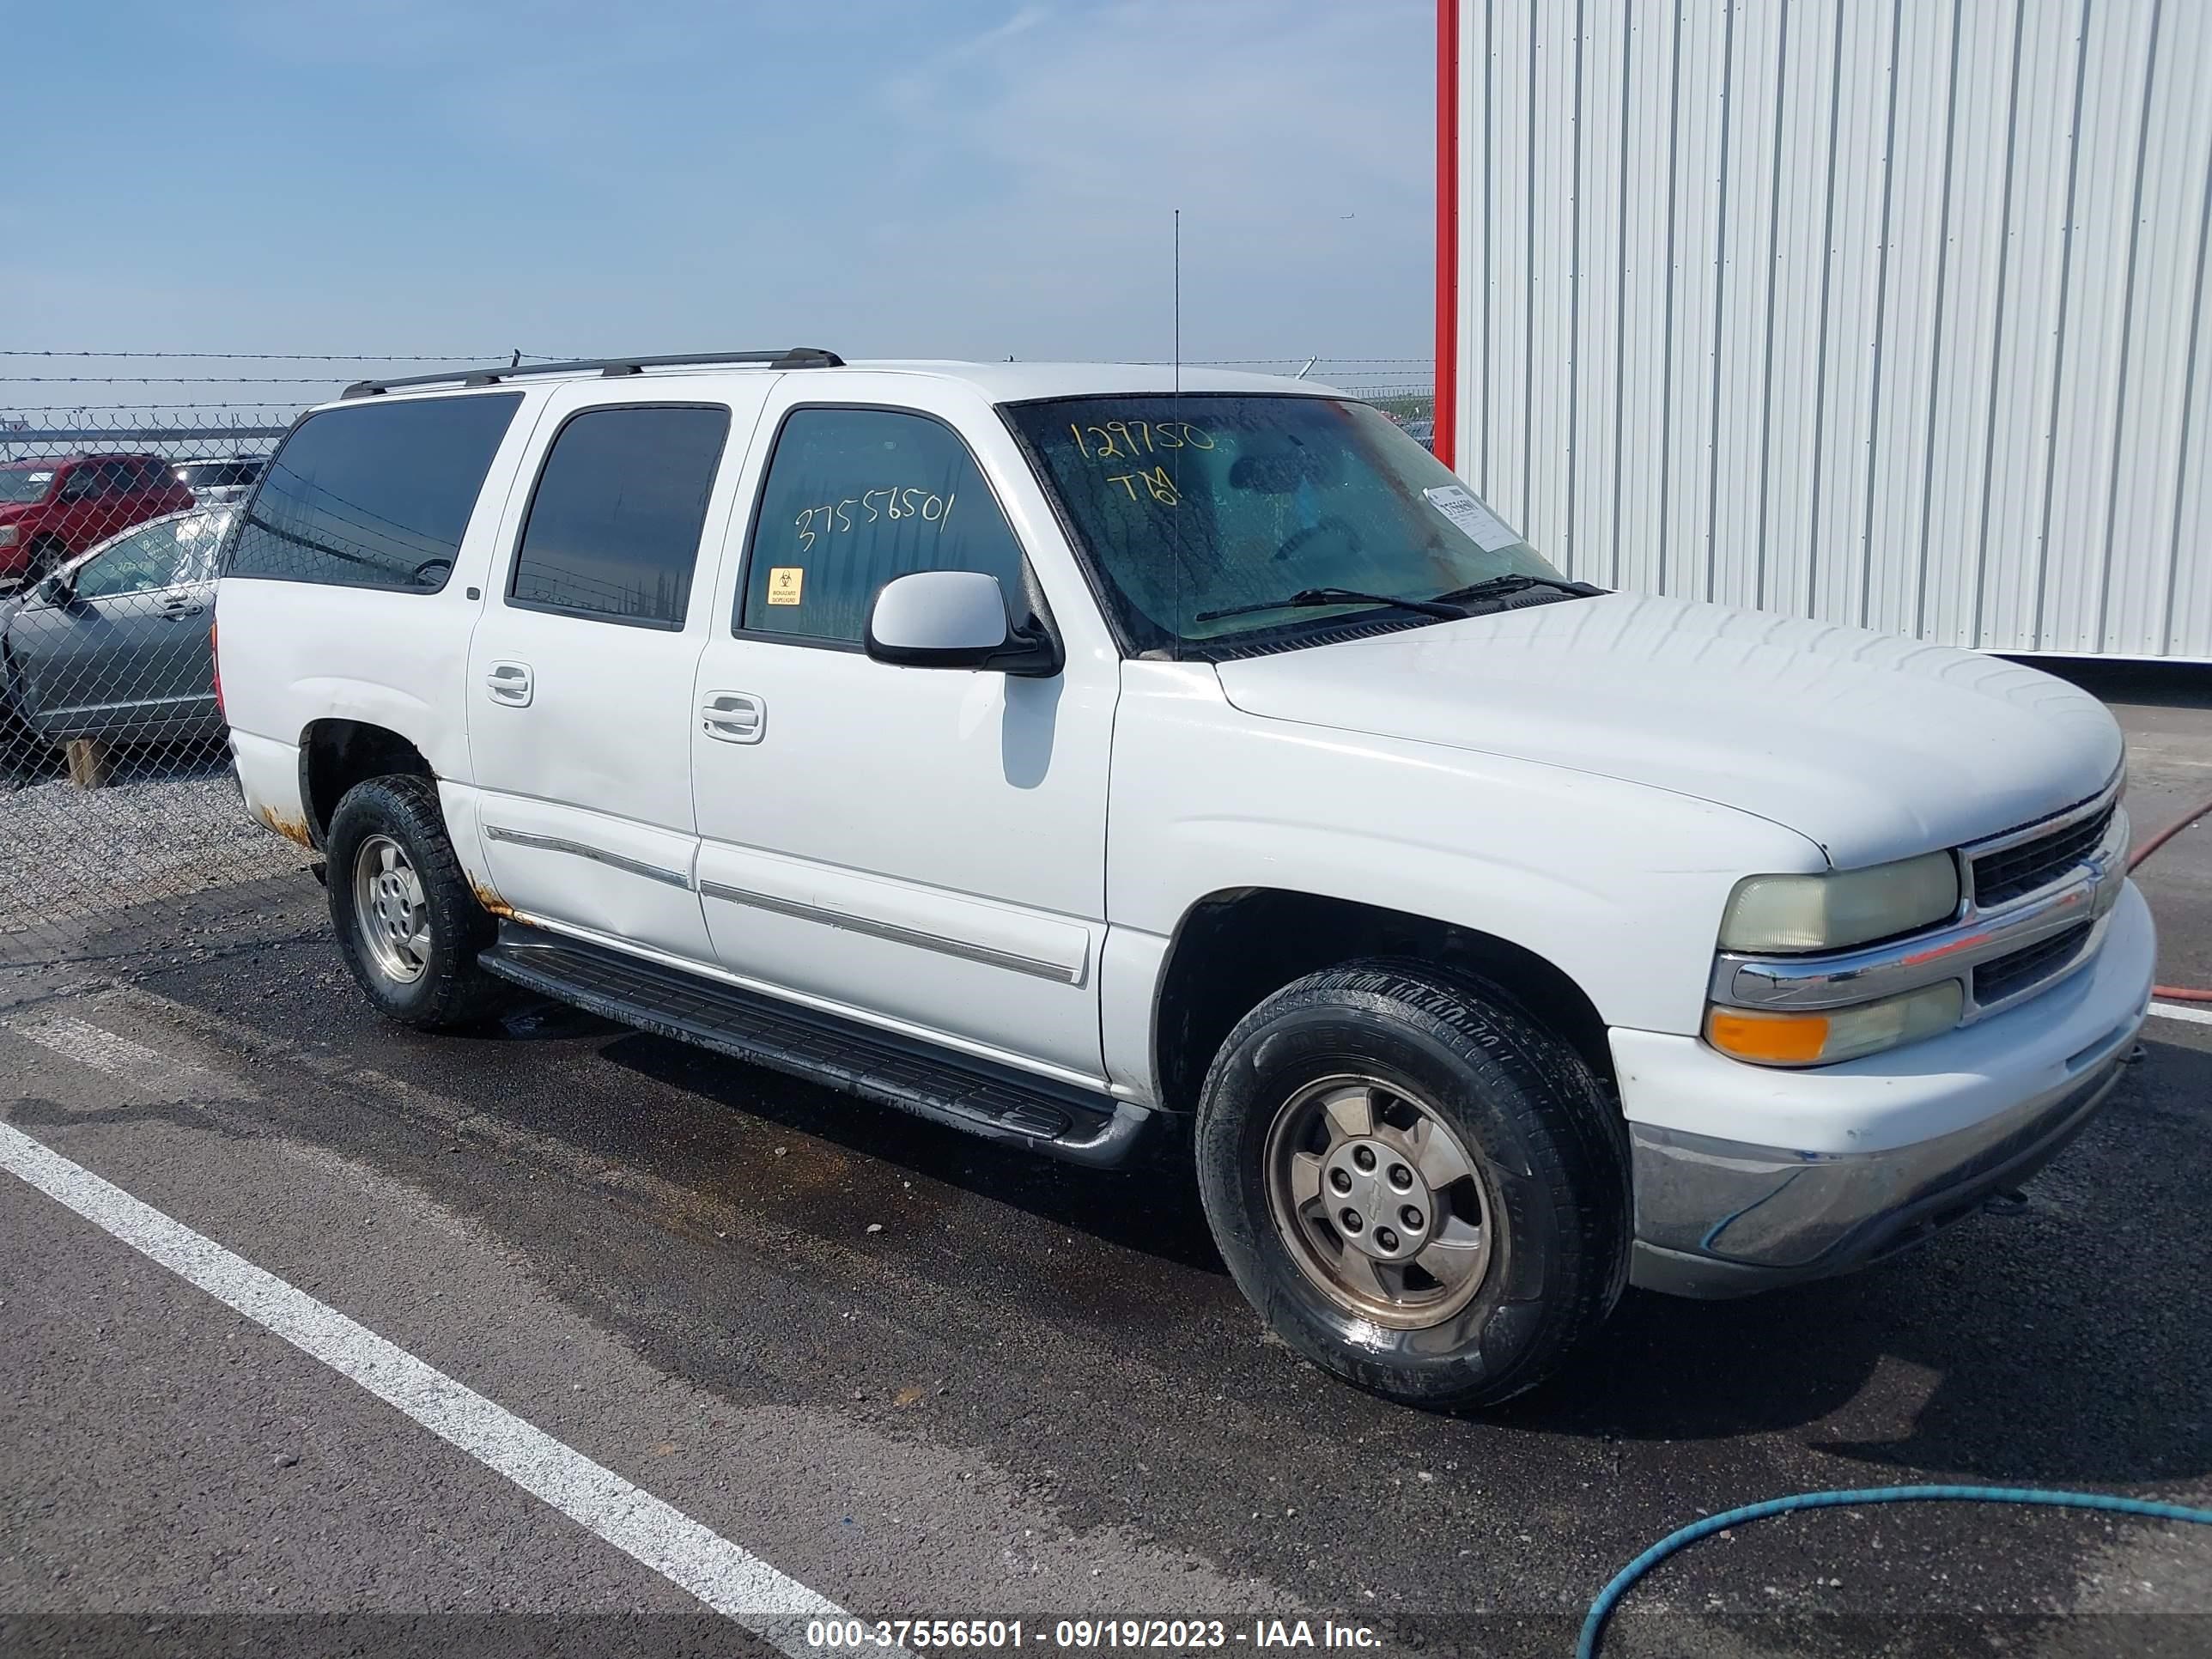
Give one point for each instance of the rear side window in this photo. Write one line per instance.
(375, 497)
(614, 524)
(857, 496)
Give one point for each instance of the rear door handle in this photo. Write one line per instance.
(733, 716)
(180, 607)
(510, 682)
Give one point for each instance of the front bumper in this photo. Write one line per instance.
(1824, 1171)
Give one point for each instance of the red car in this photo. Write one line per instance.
(51, 509)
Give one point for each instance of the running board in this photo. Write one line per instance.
(993, 1101)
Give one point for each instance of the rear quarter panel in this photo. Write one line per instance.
(291, 652)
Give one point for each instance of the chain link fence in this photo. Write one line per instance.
(114, 784)
(116, 796)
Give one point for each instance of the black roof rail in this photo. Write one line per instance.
(789, 357)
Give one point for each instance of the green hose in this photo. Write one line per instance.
(1601, 1609)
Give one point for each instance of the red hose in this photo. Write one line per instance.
(2174, 992)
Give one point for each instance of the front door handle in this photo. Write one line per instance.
(510, 682)
(180, 606)
(733, 716)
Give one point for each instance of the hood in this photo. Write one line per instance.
(1872, 746)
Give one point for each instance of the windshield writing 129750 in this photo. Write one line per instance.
(1125, 440)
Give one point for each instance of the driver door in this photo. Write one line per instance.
(923, 848)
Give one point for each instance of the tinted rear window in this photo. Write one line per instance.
(613, 529)
(372, 496)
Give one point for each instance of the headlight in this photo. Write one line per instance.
(1834, 1034)
(1845, 907)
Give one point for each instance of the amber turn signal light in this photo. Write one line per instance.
(1769, 1039)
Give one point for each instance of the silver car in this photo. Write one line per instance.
(114, 644)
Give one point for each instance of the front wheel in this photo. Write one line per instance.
(408, 922)
(1419, 1188)
(23, 753)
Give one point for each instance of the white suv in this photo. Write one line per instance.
(1091, 757)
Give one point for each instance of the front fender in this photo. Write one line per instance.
(1620, 885)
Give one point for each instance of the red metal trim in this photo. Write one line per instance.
(1447, 403)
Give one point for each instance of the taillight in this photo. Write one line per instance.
(217, 661)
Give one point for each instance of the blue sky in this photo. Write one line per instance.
(949, 178)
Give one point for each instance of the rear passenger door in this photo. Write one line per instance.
(581, 666)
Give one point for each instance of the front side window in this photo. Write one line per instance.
(613, 528)
(1203, 516)
(373, 494)
(138, 563)
(856, 497)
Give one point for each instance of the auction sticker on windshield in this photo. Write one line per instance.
(1480, 525)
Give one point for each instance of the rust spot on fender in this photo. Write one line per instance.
(491, 901)
(293, 829)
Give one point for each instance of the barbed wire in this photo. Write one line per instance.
(290, 356)
(155, 407)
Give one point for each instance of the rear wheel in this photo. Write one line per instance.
(407, 920)
(1420, 1188)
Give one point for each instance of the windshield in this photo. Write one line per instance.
(24, 483)
(1189, 507)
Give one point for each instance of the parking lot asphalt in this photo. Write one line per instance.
(922, 1377)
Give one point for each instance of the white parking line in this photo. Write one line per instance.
(732, 1581)
(2178, 1010)
(103, 1051)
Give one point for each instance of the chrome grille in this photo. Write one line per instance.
(1996, 981)
(2015, 871)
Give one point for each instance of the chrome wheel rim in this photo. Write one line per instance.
(390, 911)
(1379, 1201)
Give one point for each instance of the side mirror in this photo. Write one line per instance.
(59, 588)
(954, 619)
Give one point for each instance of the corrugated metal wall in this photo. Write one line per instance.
(1886, 312)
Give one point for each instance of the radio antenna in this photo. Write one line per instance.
(1178, 302)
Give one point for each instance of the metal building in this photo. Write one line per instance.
(1886, 312)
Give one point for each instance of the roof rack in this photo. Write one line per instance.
(789, 357)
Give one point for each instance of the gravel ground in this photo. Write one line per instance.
(165, 826)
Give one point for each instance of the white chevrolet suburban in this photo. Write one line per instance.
(1096, 757)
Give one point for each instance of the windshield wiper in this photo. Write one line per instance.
(1498, 587)
(1313, 596)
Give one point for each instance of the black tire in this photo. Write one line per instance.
(1549, 1152)
(450, 991)
(23, 756)
(23, 753)
(46, 556)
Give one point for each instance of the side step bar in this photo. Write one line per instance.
(995, 1101)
